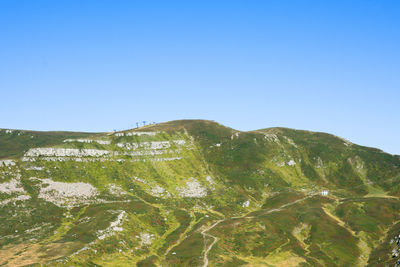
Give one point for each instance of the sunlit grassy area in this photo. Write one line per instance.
(226, 198)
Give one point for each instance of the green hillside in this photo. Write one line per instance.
(196, 193)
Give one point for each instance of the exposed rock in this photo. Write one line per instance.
(166, 159)
(210, 180)
(135, 133)
(192, 189)
(66, 194)
(151, 145)
(129, 146)
(345, 141)
(65, 152)
(320, 163)
(280, 164)
(34, 168)
(158, 191)
(357, 163)
(115, 226)
(7, 163)
(116, 190)
(271, 137)
(34, 159)
(101, 142)
(246, 204)
(290, 141)
(235, 135)
(146, 239)
(15, 199)
(139, 179)
(12, 186)
(146, 153)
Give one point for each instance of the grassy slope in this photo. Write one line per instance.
(339, 230)
(16, 143)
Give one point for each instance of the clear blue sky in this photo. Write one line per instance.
(331, 66)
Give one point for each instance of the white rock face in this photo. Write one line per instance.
(345, 141)
(139, 180)
(357, 163)
(158, 191)
(192, 189)
(34, 168)
(146, 153)
(271, 137)
(141, 133)
(151, 145)
(116, 190)
(290, 141)
(283, 163)
(115, 226)
(210, 180)
(101, 142)
(7, 163)
(246, 204)
(136, 133)
(235, 135)
(291, 163)
(78, 159)
(280, 164)
(146, 239)
(33, 159)
(130, 146)
(320, 163)
(15, 199)
(12, 186)
(153, 148)
(180, 142)
(166, 159)
(157, 144)
(65, 152)
(66, 194)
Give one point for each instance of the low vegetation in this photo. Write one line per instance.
(195, 193)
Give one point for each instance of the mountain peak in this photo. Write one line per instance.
(170, 193)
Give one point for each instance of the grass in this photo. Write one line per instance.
(14, 144)
(343, 229)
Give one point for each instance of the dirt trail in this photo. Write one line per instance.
(215, 239)
(205, 259)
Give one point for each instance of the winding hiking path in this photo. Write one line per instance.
(215, 239)
(212, 244)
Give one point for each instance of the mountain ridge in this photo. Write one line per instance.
(196, 193)
(162, 124)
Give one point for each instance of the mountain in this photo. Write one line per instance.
(196, 193)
